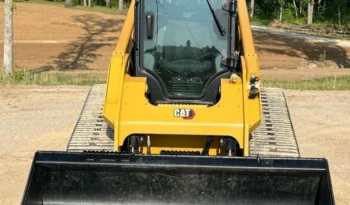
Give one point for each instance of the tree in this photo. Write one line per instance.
(281, 13)
(295, 8)
(68, 3)
(85, 3)
(310, 12)
(8, 38)
(330, 13)
(252, 2)
(121, 6)
(281, 2)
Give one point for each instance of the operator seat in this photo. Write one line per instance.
(184, 59)
(180, 44)
(182, 52)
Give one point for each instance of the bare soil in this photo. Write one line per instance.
(322, 123)
(29, 123)
(85, 40)
(285, 58)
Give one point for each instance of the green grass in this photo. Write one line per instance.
(298, 21)
(265, 21)
(101, 9)
(328, 83)
(45, 78)
(260, 22)
(321, 26)
(51, 78)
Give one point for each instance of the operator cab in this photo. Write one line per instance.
(181, 49)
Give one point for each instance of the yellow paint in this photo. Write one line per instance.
(128, 111)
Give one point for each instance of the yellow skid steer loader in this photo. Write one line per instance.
(183, 119)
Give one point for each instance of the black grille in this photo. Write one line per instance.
(185, 86)
(167, 152)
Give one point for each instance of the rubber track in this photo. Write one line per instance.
(91, 132)
(274, 137)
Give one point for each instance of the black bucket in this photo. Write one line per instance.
(58, 178)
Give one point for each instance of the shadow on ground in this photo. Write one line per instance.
(84, 50)
(302, 48)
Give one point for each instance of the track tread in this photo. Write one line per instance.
(91, 132)
(275, 136)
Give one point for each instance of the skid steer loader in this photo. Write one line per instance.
(183, 119)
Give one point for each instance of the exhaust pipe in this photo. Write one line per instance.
(58, 178)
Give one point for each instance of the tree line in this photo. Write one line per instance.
(331, 12)
(120, 4)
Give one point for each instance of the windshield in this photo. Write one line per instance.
(186, 47)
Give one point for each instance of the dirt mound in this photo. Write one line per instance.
(325, 65)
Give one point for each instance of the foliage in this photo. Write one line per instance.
(103, 3)
(333, 14)
(328, 83)
(96, 5)
(46, 78)
(288, 14)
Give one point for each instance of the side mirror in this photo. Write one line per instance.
(149, 24)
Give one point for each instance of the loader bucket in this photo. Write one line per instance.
(114, 178)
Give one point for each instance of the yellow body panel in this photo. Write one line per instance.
(137, 116)
(128, 111)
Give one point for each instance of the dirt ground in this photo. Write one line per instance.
(28, 123)
(49, 37)
(322, 123)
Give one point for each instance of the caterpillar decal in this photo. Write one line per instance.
(187, 114)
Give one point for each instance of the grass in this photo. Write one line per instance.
(328, 83)
(260, 22)
(101, 9)
(50, 78)
(45, 78)
(321, 26)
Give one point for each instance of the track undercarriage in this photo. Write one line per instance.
(275, 136)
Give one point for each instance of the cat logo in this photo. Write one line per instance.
(187, 114)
